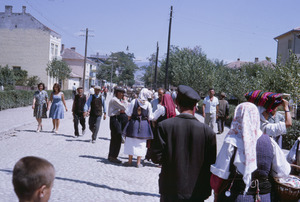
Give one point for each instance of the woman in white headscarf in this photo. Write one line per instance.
(248, 158)
(138, 129)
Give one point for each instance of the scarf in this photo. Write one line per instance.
(143, 98)
(169, 105)
(243, 134)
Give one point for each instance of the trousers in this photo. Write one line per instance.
(78, 118)
(210, 119)
(94, 123)
(115, 137)
(221, 122)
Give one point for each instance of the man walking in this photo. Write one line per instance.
(185, 148)
(115, 108)
(78, 110)
(96, 104)
(157, 101)
(210, 108)
(222, 113)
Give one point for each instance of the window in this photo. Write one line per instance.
(52, 49)
(16, 68)
(289, 44)
(56, 50)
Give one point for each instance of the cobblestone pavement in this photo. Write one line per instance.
(83, 172)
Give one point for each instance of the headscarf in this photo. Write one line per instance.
(243, 134)
(169, 105)
(268, 100)
(143, 97)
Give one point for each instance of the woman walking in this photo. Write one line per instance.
(138, 129)
(39, 105)
(57, 110)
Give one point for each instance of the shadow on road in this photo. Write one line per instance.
(107, 187)
(33, 131)
(76, 140)
(100, 159)
(104, 138)
(63, 135)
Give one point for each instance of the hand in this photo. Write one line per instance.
(84, 114)
(66, 109)
(285, 105)
(204, 115)
(104, 117)
(33, 106)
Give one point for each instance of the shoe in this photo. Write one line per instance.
(93, 141)
(56, 132)
(83, 132)
(53, 130)
(114, 160)
(127, 164)
(139, 165)
(37, 130)
(41, 128)
(76, 136)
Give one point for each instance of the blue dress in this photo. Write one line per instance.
(57, 108)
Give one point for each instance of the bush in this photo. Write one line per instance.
(21, 98)
(293, 133)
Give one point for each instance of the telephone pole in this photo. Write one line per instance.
(168, 52)
(155, 71)
(85, 52)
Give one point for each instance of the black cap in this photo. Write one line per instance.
(119, 89)
(188, 94)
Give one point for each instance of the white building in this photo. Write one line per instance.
(27, 44)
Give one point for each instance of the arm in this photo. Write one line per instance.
(50, 100)
(33, 103)
(120, 105)
(203, 109)
(227, 110)
(64, 102)
(287, 116)
(158, 146)
(159, 112)
(88, 104)
(104, 107)
(280, 166)
(217, 111)
(150, 114)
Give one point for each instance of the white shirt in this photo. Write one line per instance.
(210, 106)
(161, 110)
(280, 166)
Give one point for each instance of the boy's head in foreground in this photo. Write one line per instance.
(33, 179)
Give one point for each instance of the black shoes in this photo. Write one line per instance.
(114, 160)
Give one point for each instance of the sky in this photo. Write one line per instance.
(225, 30)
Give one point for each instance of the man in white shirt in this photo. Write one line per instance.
(210, 108)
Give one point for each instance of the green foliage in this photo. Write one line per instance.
(33, 81)
(20, 76)
(123, 64)
(21, 98)
(58, 69)
(148, 76)
(293, 132)
(7, 77)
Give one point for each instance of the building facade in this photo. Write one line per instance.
(27, 44)
(76, 63)
(289, 41)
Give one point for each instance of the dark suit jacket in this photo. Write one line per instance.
(186, 148)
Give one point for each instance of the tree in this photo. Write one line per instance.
(7, 77)
(20, 76)
(33, 81)
(149, 69)
(58, 69)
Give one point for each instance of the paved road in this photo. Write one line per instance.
(83, 172)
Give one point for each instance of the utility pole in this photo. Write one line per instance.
(85, 52)
(168, 52)
(111, 73)
(155, 71)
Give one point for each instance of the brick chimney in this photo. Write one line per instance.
(23, 9)
(62, 47)
(73, 48)
(256, 60)
(8, 10)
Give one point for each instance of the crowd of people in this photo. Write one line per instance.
(162, 127)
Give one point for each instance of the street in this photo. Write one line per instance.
(83, 172)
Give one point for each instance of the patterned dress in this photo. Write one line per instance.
(40, 109)
(57, 108)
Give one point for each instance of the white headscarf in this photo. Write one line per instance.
(143, 98)
(243, 134)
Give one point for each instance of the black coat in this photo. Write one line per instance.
(186, 148)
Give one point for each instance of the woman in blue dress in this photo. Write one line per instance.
(39, 105)
(57, 110)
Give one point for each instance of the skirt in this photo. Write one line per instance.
(135, 147)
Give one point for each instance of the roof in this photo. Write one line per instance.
(297, 30)
(74, 75)
(9, 20)
(238, 64)
(73, 55)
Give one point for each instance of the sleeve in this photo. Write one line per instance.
(159, 112)
(103, 104)
(280, 166)
(274, 129)
(88, 104)
(177, 112)
(222, 165)
(150, 113)
(129, 109)
(159, 144)
(119, 104)
(227, 109)
(46, 94)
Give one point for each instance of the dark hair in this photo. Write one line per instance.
(79, 88)
(160, 88)
(92, 86)
(183, 101)
(56, 85)
(29, 174)
(42, 85)
(211, 89)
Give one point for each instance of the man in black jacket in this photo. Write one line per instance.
(186, 148)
